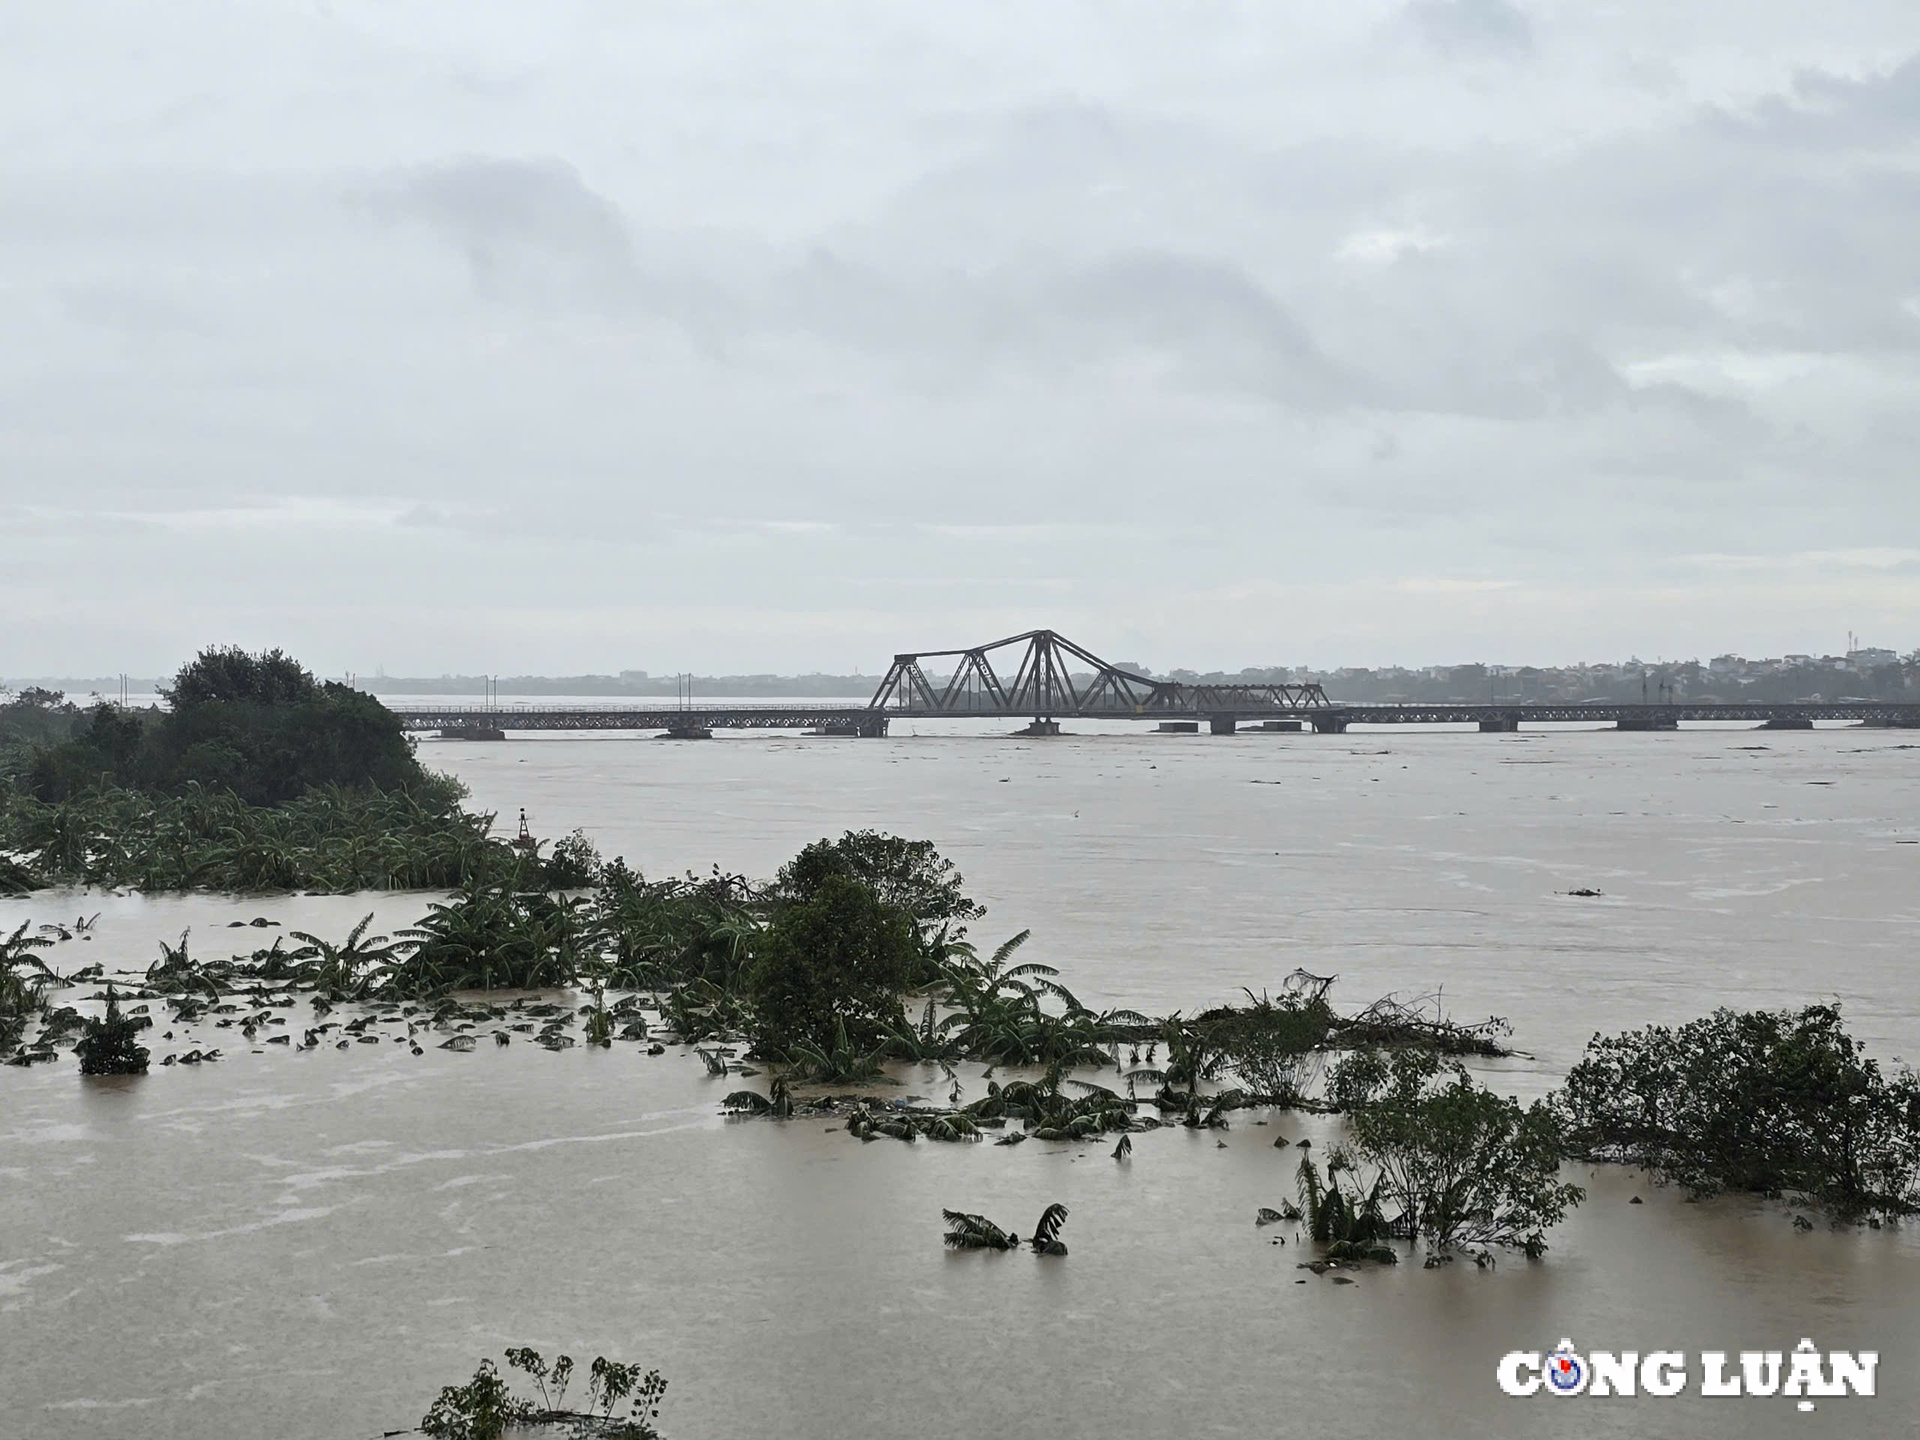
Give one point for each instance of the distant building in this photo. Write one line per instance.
(1871, 657)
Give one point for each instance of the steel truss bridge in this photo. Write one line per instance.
(1046, 683)
(1042, 677)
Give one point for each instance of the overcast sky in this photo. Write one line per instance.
(783, 336)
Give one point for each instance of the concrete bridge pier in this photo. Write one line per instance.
(1646, 722)
(1501, 725)
(1222, 724)
(1329, 725)
(1042, 727)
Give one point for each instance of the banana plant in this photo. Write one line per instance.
(974, 1232)
(347, 968)
(23, 976)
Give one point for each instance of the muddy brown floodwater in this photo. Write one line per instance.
(292, 1244)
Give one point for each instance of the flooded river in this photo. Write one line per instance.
(292, 1244)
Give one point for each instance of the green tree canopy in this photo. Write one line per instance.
(909, 875)
(226, 674)
(1466, 1165)
(258, 725)
(839, 958)
(1763, 1101)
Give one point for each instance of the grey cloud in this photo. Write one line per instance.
(1823, 111)
(780, 312)
(1222, 329)
(1471, 27)
(534, 232)
(528, 228)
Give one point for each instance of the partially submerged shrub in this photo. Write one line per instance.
(907, 876)
(1279, 1045)
(484, 1408)
(1274, 1046)
(574, 864)
(481, 1409)
(967, 1231)
(491, 934)
(110, 1045)
(1339, 1214)
(556, 1375)
(830, 971)
(343, 969)
(612, 1384)
(1466, 1166)
(1772, 1102)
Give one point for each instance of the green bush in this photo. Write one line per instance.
(484, 1408)
(109, 1046)
(258, 777)
(1465, 1165)
(258, 725)
(481, 1409)
(1768, 1102)
(908, 876)
(830, 970)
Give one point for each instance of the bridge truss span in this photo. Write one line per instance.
(1051, 676)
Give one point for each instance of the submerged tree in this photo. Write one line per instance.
(1274, 1046)
(110, 1045)
(1465, 1165)
(1772, 1102)
(485, 1408)
(908, 875)
(481, 1409)
(830, 971)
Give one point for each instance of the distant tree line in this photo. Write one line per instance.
(1825, 679)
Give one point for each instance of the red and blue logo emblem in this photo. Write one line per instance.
(1565, 1372)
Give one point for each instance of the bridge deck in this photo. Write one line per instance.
(863, 719)
(718, 717)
